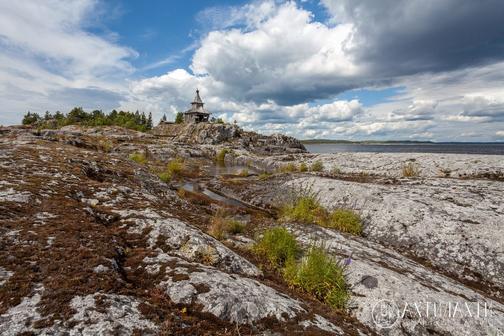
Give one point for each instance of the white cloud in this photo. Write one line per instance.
(45, 51)
(270, 66)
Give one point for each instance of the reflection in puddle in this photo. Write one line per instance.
(197, 188)
(217, 170)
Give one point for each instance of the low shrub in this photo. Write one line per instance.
(317, 166)
(410, 170)
(303, 167)
(277, 245)
(139, 158)
(221, 226)
(319, 275)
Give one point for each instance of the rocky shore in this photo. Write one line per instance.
(95, 240)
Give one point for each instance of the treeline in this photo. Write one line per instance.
(77, 116)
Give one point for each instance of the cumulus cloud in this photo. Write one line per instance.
(284, 56)
(398, 37)
(267, 62)
(47, 57)
(273, 68)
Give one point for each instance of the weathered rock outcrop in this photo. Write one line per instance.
(455, 225)
(208, 133)
(94, 243)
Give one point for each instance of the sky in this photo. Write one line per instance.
(331, 69)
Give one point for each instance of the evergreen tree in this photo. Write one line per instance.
(163, 119)
(149, 121)
(31, 118)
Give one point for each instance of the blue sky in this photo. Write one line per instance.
(342, 69)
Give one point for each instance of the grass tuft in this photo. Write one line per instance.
(221, 226)
(174, 168)
(317, 166)
(303, 167)
(278, 246)
(288, 168)
(410, 170)
(321, 276)
(335, 170)
(139, 158)
(344, 220)
(306, 208)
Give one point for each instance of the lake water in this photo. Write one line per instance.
(456, 148)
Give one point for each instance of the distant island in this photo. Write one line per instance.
(387, 142)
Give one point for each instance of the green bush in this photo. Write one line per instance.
(138, 158)
(134, 120)
(303, 167)
(319, 275)
(317, 166)
(277, 245)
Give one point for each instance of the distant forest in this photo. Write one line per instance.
(77, 116)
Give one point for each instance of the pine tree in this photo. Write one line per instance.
(163, 119)
(149, 121)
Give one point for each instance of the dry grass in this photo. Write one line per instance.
(139, 158)
(174, 168)
(221, 226)
(410, 169)
(288, 168)
(317, 166)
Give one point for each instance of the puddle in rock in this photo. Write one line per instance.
(197, 188)
(218, 170)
